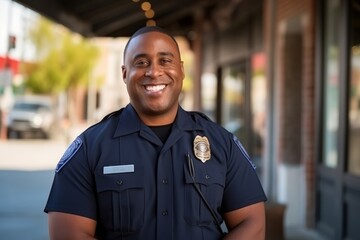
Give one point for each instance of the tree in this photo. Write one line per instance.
(64, 64)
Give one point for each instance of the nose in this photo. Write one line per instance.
(154, 70)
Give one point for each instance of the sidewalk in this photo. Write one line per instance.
(298, 233)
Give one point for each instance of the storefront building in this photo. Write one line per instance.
(338, 121)
(285, 77)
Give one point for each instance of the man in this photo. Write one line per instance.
(153, 170)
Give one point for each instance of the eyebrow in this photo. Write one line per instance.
(161, 54)
(166, 54)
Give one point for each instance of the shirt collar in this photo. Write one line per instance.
(129, 122)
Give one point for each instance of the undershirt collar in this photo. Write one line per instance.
(162, 131)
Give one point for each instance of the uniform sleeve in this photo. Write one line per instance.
(243, 186)
(72, 190)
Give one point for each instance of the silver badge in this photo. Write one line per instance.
(202, 148)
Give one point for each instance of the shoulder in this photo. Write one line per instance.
(106, 125)
(197, 114)
(210, 127)
(206, 121)
(112, 114)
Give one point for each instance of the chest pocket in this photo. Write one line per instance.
(121, 201)
(211, 184)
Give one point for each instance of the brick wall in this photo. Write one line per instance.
(295, 17)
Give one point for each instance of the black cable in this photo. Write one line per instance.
(192, 175)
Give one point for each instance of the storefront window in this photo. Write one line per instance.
(354, 94)
(243, 101)
(331, 84)
(258, 108)
(209, 94)
(233, 102)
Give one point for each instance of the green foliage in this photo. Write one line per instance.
(65, 60)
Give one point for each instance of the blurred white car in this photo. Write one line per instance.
(30, 114)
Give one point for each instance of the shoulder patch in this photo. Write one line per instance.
(242, 149)
(69, 153)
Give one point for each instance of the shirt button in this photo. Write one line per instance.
(165, 181)
(164, 213)
(119, 182)
(207, 176)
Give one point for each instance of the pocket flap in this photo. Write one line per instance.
(120, 181)
(204, 176)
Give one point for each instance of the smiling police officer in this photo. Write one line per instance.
(152, 170)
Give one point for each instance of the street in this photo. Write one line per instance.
(26, 173)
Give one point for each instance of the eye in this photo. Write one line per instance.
(165, 61)
(141, 63)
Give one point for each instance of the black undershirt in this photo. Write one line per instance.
(162, 131)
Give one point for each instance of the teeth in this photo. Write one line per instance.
(155, 88)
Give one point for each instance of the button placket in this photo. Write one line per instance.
(164, 195)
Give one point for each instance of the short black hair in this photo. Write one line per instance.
(147, 29)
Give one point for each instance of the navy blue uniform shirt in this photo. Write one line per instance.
(119, 173)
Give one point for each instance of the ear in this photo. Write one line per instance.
(123, 69)
(182, 70)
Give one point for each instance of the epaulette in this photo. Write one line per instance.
(115, 113)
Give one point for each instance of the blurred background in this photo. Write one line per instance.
(282, 75)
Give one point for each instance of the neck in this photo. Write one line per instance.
(158, 119)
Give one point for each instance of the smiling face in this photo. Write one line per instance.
(153, 73)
